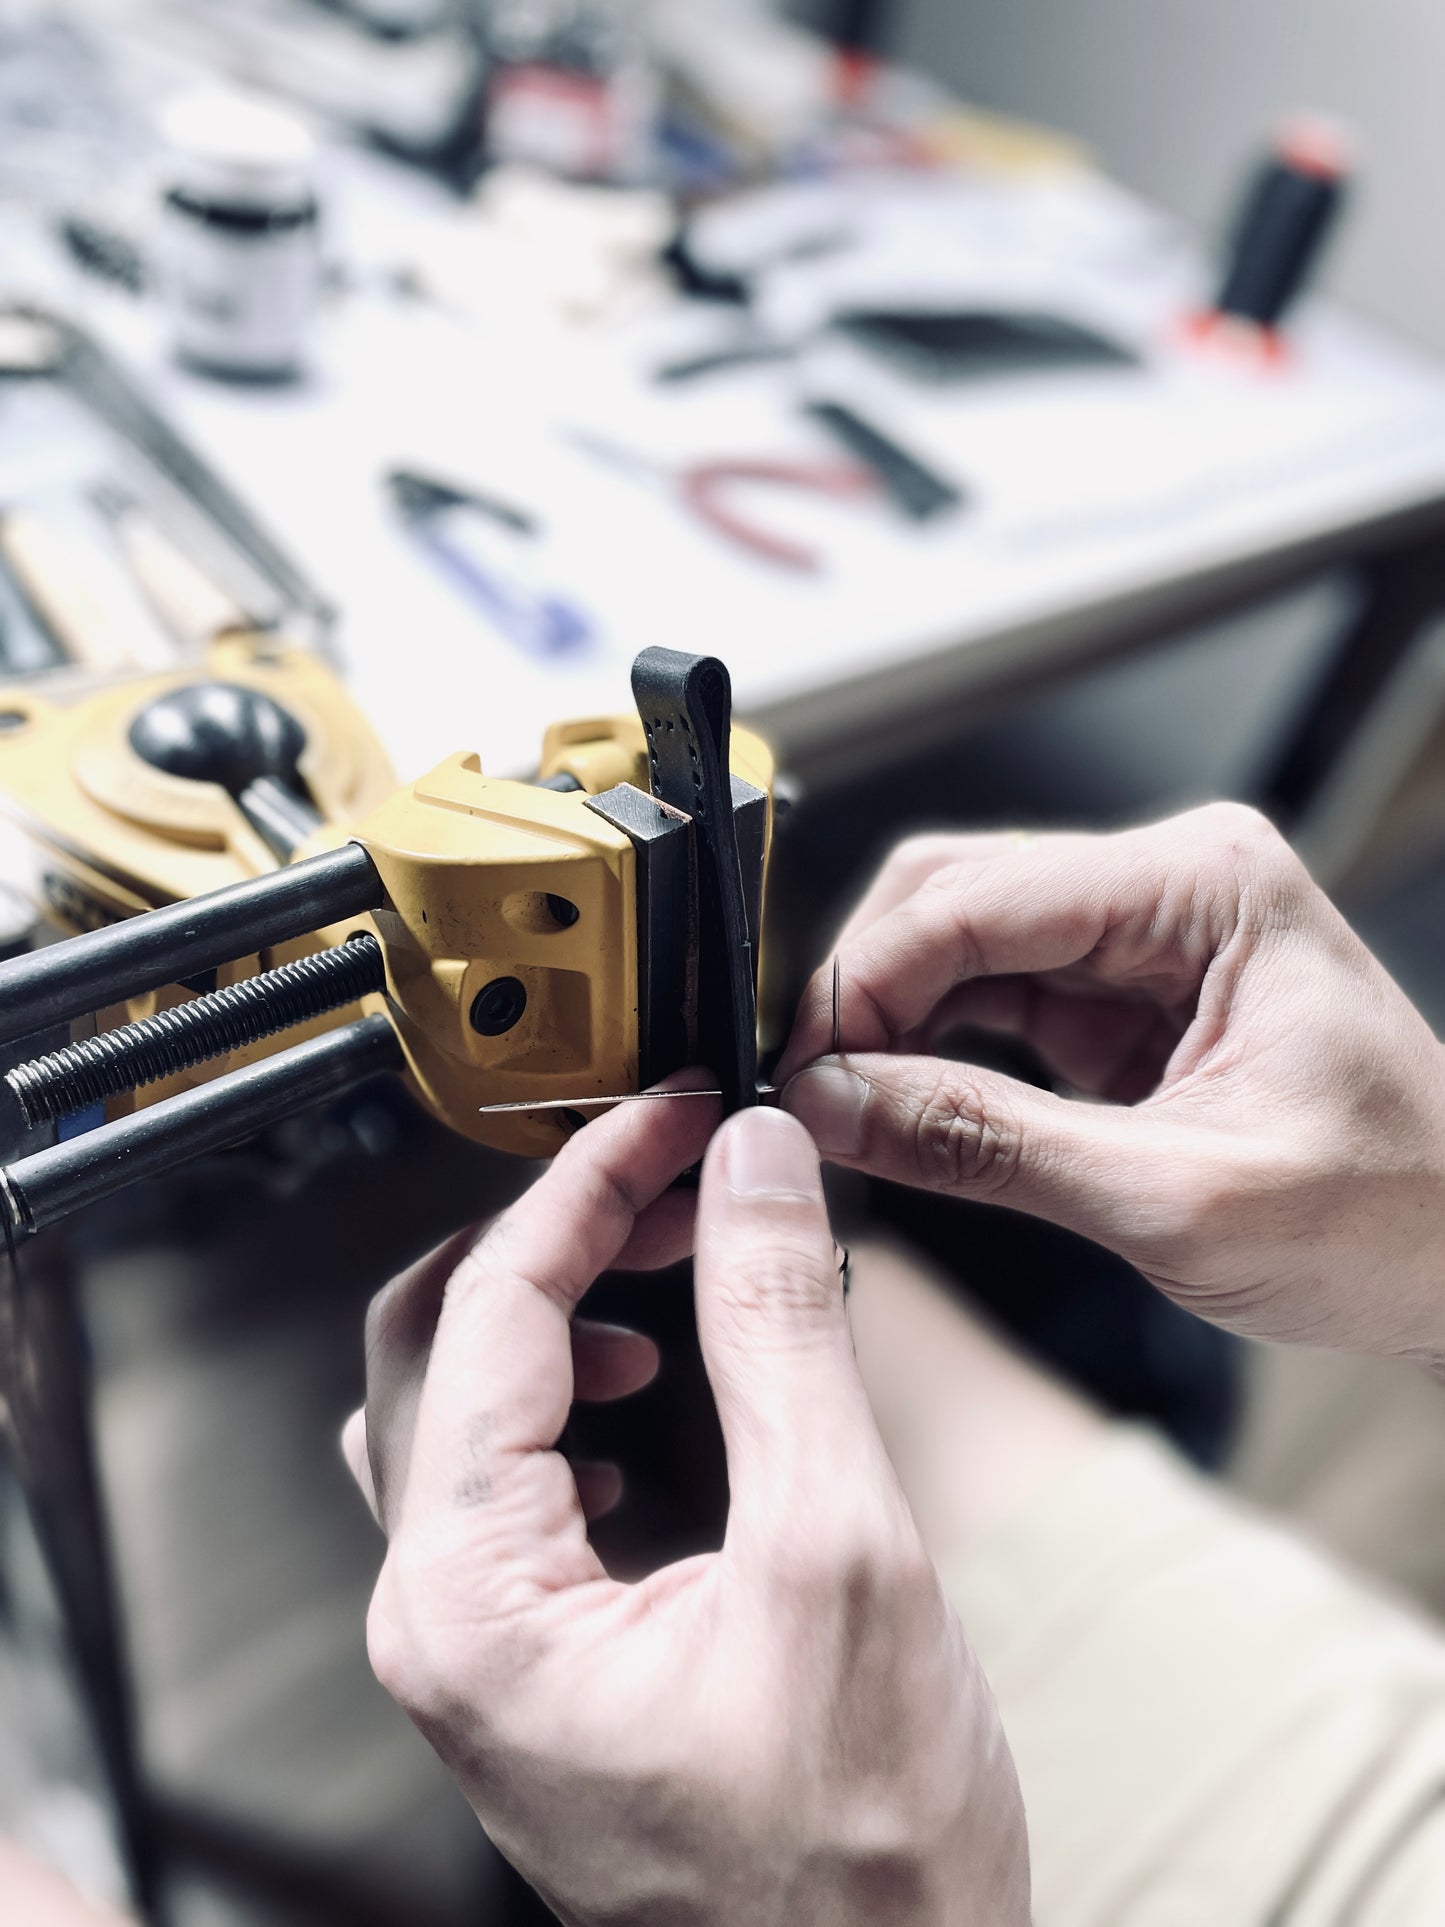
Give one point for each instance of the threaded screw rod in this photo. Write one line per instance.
(118, 1060)
(46, 1187)
(166, 946)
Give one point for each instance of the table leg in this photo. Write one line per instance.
(45, 1402)
(1404, 593)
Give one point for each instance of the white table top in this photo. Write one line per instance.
(1084, 488)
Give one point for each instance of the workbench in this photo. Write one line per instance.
(1108, 509)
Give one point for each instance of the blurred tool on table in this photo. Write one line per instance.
(483, 543)
(570, 87)
(918, 490)
(703, 488)
(192, 605)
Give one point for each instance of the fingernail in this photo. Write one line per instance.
(768, 1156)
(828, 1101)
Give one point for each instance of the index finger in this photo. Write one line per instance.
(1037, 906)
(916, 859)
(498, 1384)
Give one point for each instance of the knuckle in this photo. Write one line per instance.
(1228, 817)
(947, 907)
(392, 1651)
(965, 1136)
(825, 1568)
(1232, 822)
(917, 856)
(592, 1167)
(381, 1317)
(1238, 874)
(401, 1318)
(788, 1274)
(856, 1561)
(433, 1650)
(412, 1642)
(1245, 838)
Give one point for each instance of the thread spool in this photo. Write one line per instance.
(1284, 222)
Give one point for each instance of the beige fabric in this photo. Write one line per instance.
(1214, 1727)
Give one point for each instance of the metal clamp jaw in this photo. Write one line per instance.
(495, 941)
(541, 943)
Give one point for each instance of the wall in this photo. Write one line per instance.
(1176, 98)
(1175, 95)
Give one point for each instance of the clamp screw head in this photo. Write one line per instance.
(498, 1006)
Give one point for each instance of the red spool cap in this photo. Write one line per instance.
(1234, 341)
(1317, 147)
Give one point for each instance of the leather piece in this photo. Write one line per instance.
(685, 703)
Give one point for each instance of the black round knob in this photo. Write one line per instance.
(220, 732)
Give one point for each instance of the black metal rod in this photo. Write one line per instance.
(83, 974)
(70, 1080)
(282, 819)
(47, 1186)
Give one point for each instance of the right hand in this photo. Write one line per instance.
(1270, 1150)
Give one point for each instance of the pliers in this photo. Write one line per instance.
(704, 489)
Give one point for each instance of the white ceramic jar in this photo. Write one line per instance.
(238, 254)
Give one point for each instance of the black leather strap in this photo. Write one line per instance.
(686, 707)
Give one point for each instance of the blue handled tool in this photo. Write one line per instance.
(459, 528)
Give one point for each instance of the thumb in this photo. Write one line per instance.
(951, 1127)
(774, 1332)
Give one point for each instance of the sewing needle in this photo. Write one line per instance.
(597, 1103)
(765, 1091)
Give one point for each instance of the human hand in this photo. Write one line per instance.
(34, 1893)
(1271, 1148)
(792, 1730)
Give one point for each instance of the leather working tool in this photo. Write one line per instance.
(261, 918)
(705, 490)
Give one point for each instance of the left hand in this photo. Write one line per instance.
(792, 1730)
